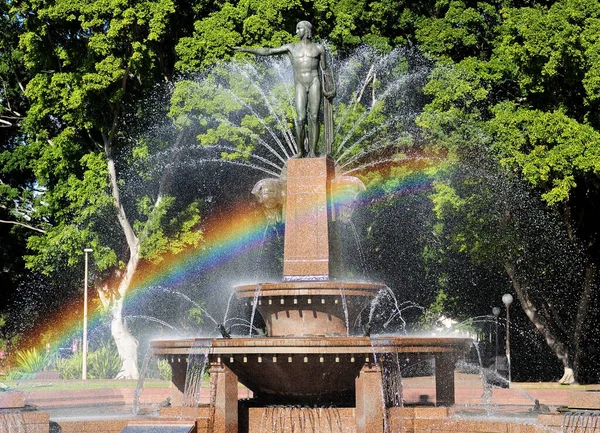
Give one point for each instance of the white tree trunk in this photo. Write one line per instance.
(126, 344)
(113, 299)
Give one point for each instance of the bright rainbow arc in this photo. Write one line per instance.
(225, 238)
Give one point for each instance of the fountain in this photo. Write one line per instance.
(308, 356)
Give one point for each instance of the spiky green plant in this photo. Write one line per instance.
(70, 368)
(104, 363)
(32, 361)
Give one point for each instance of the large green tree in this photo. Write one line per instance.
(518, 80)
(522, 82)
(91, 66)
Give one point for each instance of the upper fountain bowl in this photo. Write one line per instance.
(309, 308)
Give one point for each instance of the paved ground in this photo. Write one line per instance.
(471, 398)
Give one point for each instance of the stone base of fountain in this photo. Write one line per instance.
(314, 371)
(581, 416)
(15, 416)
(12, 400)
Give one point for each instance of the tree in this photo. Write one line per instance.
(16, 180)
(530, 96)
(91, 66)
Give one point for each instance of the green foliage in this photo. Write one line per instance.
(166, 230)
(92, 65)
(526, 96)
(551, 150)
(104, 362)
(438, 308)
(31, 361)
(164, 370)
(196, 314)
(70, 368)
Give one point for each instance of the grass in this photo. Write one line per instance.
(60, 384)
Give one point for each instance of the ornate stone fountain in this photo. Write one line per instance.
(307, 356)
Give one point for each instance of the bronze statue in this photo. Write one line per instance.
(307, 58)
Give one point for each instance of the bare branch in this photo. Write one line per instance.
(37, 229)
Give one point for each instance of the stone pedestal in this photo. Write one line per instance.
(12, 400)
(307, 215)
(224, 385)
(444, 380)
(369, 400)
(178, 374)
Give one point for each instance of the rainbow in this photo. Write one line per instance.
(227, 236)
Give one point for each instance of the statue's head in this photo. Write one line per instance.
(308, 27)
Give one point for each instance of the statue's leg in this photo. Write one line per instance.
(301, 101)
(314, 101)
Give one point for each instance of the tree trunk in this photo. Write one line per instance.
(113, 299)
(126, 343)
(557, 346)
(589, 283)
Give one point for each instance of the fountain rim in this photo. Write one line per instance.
(308, 288)
(312, 345)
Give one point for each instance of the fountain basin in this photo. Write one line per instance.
(309, 308)
(307, 370)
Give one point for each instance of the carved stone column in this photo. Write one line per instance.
(225, 398)
(444, 380)
(369, 404)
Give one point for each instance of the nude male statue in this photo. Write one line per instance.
(307, 57)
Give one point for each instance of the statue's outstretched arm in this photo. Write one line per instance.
(264, 51)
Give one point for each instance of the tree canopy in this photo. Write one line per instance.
(101, 101)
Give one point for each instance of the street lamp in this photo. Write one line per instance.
(85, 314)
(507, 300)
(496, 313)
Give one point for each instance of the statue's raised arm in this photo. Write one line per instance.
(308, 60)
(284, 49)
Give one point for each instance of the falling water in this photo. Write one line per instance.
(261, 250)
(393, 379)
(196, 366)
(287, 133)
(195, 304)
(345, 307)
(359, 250)
(140, 383)
(486, 397)
(159, 321)
(581, 422)
(228, 307)
(398, 308)
(383, 387)
(254, 306)
(295, 419)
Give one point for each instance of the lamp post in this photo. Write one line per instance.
(507, 300)
(85, 314)
(496, 313)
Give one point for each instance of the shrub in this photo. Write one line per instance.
(32, 361)
(70, 368)
(104, 363)
(164, 370)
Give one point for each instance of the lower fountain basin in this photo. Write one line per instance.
(309, 370)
